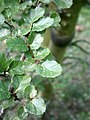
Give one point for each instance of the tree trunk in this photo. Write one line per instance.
(61, 37)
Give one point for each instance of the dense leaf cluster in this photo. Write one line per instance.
(22, 27)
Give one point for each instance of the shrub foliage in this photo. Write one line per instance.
(22, 27)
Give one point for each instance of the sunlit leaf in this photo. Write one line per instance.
(41, 54)
(36, 13)
(46, 1)
(2, 19)
(37, 42)
(49, 69)
(63, 3)
(21, 82)
(30, 92)
(4, 32)
(43, 24)
(36, 106)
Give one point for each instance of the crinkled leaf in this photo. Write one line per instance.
(16, 81)
(37, 42)
(24, 5)
(63, 3)
(57, 19)
(30, 92)
(2, 19)
(36, 13)
(4, 32)
(21, 82)
(13, 5)
(49, 69)
(7, 103)
(24, 82)
(17, 44)
(4, 92)
(41, 54)
(4, 63)
(43, 24)
(10, 3)
(46, 1)
(21, 113)
(13, 64)
(36, 106)
(31, 37)
(29, 65)
(14, 118)
(17, 70)
(33, 91)
(24, 29)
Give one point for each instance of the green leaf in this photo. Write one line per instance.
(30, 67)
(33, 91)
(17, 44)
(21, 113)
(4, 32)
(17, 69)
(31, 37)
(36, 106)
(21, 82)
(41, 54)
(14, 118)
(57, 19)
(13, 64)
(13, 5)
(24, 29)
(24, 82)
(63, 3)
(43, 24)
(37, 42)
(2, 19)
(1, 5)
(7, 13)
(16, 81)
(49, 69)
(46, 1)
(30, 92)
(24, 5)
(4, 63)
(4, 93)
(36, 13)
(7, 103)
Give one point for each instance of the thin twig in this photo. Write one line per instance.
(2, 75)
(9, 24)
(76, 58)
(78, 41)
(22, 58)
(81, 48)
